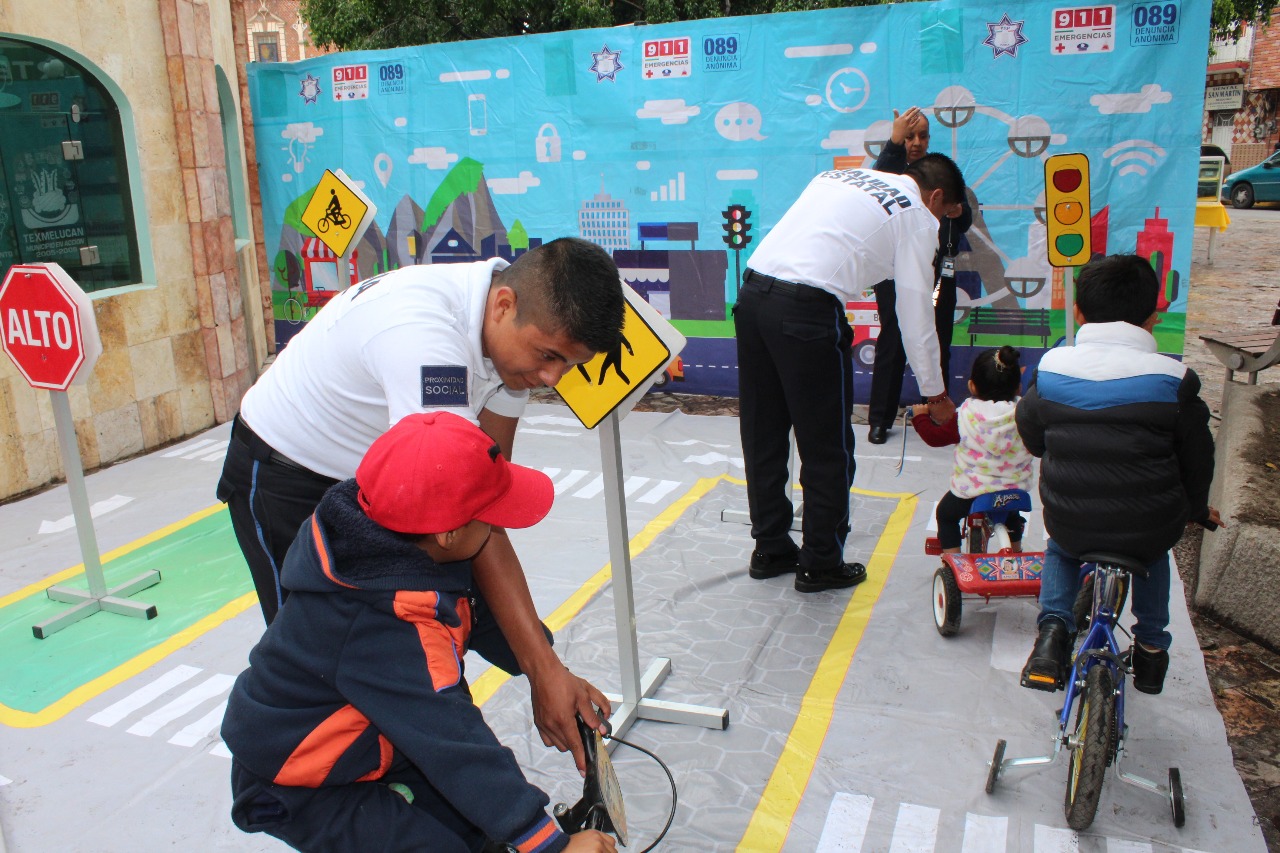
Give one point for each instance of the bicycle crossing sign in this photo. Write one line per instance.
(617, 379)
(338, 212)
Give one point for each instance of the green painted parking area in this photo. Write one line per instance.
(204, 582)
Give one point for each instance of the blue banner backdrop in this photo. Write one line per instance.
(641, 139)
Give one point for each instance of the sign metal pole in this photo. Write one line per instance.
(98, 597)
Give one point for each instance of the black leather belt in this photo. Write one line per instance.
(769, 284)
(261, 450)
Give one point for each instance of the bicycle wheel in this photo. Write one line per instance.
(1082, 610)
(293, 311)
(946, 602)
(1091, 747)
(323, 225)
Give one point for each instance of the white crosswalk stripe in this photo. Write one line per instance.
(203, 450)
(916, 830)
(180, 702)
(640, 490)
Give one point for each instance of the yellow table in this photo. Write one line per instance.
(1212, 215)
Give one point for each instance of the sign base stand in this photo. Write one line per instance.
(97, 597)
(634, 703)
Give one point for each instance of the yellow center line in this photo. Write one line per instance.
(772, 818)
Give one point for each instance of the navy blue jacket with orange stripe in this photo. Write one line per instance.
(363, 665)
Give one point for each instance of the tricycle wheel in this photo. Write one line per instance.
(996, 760)
(946, 601)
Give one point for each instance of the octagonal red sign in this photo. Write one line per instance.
(47, 326)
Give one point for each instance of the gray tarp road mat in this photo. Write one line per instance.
(853, 726)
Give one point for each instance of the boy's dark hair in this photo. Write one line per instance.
(938, 171)
(569, 285)
(996, 374)
(1117, 288)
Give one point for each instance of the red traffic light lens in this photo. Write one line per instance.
(1066, 180)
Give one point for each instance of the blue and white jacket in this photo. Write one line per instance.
(1127, 456)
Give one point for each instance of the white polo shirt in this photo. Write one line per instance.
(854, 228)
(402, 342)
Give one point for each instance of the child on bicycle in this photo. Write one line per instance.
(1126, 462)
(990, 456)
(353, 727)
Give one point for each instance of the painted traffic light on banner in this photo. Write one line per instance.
(1067, 212)
(737, 222)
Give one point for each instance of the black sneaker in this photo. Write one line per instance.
(836, 577)
(1149, 668)
(764, 566)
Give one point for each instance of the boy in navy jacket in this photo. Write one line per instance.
(1126, 462)
(353, 728)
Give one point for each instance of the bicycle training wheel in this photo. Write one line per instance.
(1090, 753)
(946, 602)
(1176, 801)
(996, 760)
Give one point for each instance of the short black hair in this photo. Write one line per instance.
(938, 171)
(1117, 288)
(569, 285)
(997, 374)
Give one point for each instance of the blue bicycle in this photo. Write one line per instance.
(1096, 690)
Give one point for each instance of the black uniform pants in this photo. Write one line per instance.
(891, 356)
(269, 498)
(795, 373)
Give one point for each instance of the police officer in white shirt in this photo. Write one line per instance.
(848, 230)
(468, 338)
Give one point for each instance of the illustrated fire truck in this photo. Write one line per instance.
(864, 317)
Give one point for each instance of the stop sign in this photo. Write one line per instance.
(47, 326)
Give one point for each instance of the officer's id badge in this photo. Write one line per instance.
(444, 385)
(948, 266)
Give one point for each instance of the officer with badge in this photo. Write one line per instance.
(467, 338)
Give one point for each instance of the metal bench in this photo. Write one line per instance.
(1246, 352)
(985, 320)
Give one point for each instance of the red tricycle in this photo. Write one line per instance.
(988, 566)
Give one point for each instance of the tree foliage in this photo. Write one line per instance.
(373, 24)
(1229, 17)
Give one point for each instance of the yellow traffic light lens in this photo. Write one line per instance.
(1068, 212)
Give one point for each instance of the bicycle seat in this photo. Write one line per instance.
(1128, 563)
(1002, 502)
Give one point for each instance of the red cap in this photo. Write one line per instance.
(435, 471)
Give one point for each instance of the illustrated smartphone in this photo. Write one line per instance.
(478, 114)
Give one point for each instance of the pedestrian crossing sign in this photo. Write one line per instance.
(338, 212)
(605, 383)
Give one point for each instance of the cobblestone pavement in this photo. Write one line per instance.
(1237, 289)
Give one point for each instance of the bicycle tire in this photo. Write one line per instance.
(946, 602)
(1087, 768)
(323, 225)
(1082, 610)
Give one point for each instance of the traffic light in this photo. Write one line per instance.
(737, 222)
(1066, 201)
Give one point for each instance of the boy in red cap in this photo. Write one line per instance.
(353, 727)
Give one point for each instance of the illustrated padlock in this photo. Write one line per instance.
(547, 144)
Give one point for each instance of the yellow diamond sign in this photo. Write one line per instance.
(337, 211)
(600, 386)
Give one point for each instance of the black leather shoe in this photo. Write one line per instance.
(878, 435)
(836, 577)
(1149, 669)
(764, 566)
(1045, 669)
